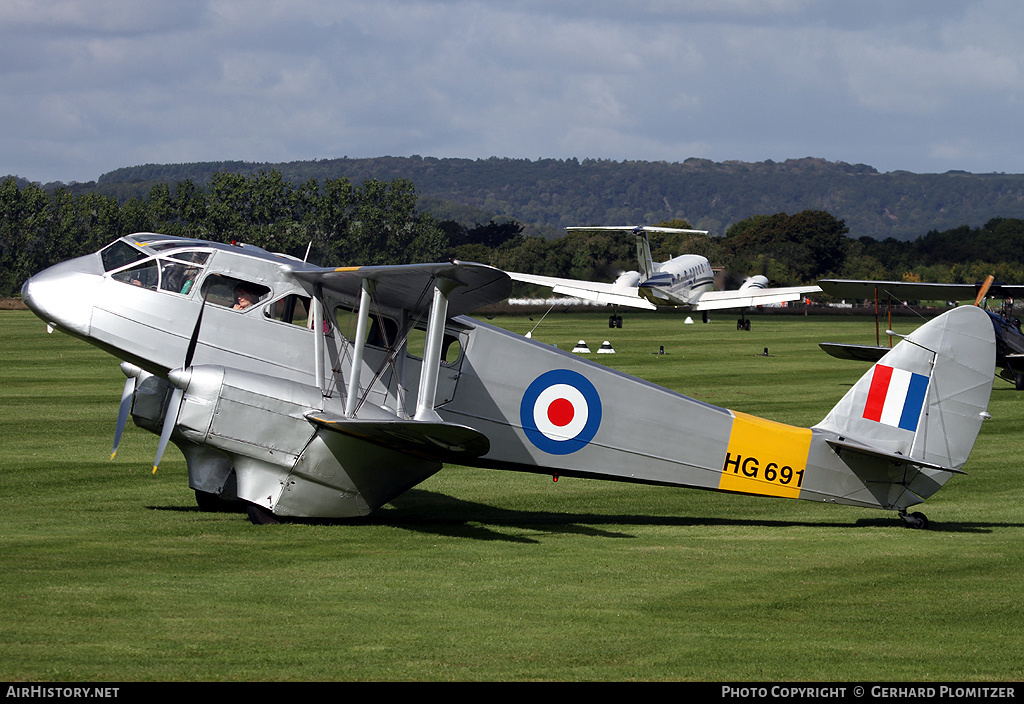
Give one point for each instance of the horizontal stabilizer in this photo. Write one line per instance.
(637, 229)
(841, 446)
(445, 442)
(859, 353)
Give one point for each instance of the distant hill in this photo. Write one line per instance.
(552, 193)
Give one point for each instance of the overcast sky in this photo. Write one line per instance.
(90, 86)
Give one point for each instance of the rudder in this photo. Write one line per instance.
(643, 255)
(928, 396)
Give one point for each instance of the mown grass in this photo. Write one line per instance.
(111, 574)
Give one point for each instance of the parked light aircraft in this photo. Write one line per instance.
(296, 389)
(686, 281)
(1009, 338)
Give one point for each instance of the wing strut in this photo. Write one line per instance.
(360, 344)
(318, 338)
(432, 351)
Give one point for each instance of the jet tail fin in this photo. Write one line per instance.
(643, 255)
(926, 399)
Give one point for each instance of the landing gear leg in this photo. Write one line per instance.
(916, 520)
(260, 516)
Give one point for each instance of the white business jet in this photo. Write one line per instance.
(685, 281)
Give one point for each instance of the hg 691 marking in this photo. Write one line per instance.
(750, 467)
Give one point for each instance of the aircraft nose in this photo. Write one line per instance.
(63, 295)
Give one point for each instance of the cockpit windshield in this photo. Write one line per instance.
(120, 254)
(175, 271)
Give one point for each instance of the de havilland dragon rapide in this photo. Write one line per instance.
(307, 391)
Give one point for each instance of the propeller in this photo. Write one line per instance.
(132, 372)
(174, 405)
(984, 289)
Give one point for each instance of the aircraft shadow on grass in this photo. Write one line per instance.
(440, 514)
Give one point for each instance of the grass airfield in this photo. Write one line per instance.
(111, 573)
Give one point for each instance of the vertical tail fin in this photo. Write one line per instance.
(927, 397)
(643, 255)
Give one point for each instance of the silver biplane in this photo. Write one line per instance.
(686, 281)
(305, 391)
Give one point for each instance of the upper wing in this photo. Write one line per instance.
(720, 300)
(406, 287)
(903, 290)
(611, 294)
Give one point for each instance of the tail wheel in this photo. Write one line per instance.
(916, 520)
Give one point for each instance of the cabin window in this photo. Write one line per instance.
(146, 275)
(180, 271)
(383, 332)
(451, 347)
(234, 293)
(293, 308)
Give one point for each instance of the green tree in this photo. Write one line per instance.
(808, 245)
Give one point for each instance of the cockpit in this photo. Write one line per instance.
(175, 265)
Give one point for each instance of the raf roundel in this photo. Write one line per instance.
(560, 412)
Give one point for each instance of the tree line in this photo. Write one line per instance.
(335, 222)
(556, 193)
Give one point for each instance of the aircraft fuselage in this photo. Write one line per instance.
(307, 391)
(679, 281)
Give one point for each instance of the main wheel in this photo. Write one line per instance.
(260, 516)
(209, 503)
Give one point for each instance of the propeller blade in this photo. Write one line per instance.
(170, 418)
(984, 289)
(174, 405)
(190, 352)
(122, 412)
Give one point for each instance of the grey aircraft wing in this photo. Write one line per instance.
(409, 287)
(603, 293)
(907, 290)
